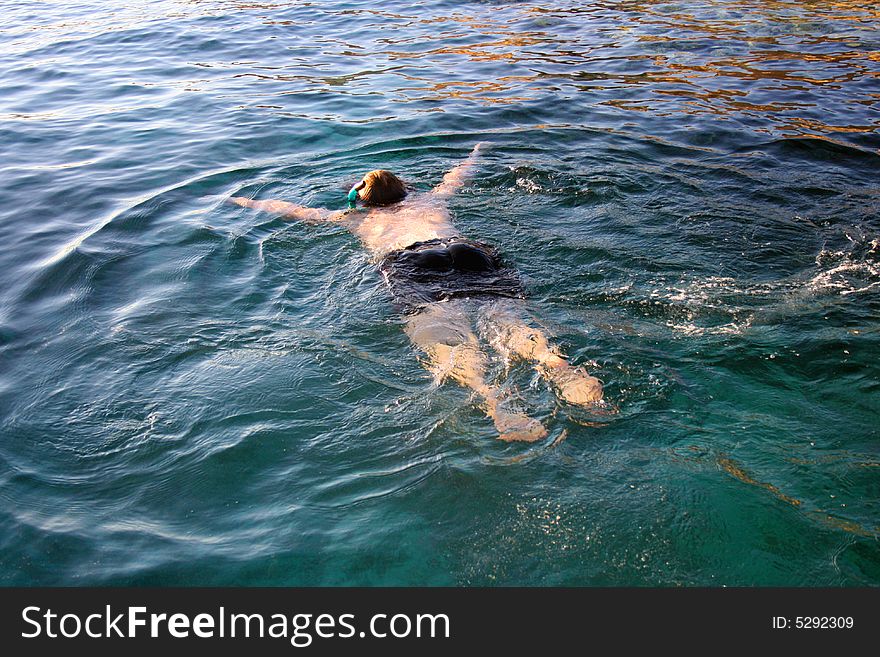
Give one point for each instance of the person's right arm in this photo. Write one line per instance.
(288, 210)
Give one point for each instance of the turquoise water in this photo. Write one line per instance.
(194, 393)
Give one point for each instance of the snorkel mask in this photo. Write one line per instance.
(353, 194)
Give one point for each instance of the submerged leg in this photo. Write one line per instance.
(443, 332)
(512, 336)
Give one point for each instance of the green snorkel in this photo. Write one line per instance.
(353, 194)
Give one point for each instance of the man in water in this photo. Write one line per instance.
(432, 272)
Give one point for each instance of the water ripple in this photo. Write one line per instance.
(191, 392)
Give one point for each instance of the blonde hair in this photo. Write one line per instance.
(382, 187)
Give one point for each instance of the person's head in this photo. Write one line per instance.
(380, 187)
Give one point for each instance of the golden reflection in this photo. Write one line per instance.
(801, 68)
(723, 64)
(812, 126)
(733, 469)
(697, 457)
(850, 526)
(485, 91)
(846, 525)
(847, 458)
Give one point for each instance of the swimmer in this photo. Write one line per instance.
(431, 270)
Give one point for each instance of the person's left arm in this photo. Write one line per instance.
(289, 210)
(459, 174)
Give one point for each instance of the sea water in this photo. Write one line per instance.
(196, 393)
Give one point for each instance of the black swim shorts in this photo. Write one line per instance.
(448, 268)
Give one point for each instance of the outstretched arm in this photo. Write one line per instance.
(288, 210)
(459, 175)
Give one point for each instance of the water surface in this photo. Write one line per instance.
(193, 393)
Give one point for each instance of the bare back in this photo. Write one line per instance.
(386, 229)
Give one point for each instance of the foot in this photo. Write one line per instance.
(573, 384)
(516, 426)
